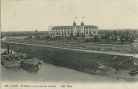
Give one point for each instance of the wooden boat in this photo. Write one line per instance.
(31, 65)
(20, 60)
(133, 72)
(10, 61)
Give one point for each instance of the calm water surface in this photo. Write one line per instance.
(50, 72)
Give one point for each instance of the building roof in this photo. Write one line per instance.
(3, 50)
(82, 23)
(74, 23)
(92, 26)
(136, 40)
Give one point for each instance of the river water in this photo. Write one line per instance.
(50, 72)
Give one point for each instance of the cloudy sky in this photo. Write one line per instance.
(28, 15)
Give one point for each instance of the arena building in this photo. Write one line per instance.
(74, 30)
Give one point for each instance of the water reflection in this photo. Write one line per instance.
(50, 72)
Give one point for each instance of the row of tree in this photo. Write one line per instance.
(107, 36)
(123, 36)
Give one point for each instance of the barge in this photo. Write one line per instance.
(12, 60)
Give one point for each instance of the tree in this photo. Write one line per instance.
(115, 35)
(1, 36)
(122, 37)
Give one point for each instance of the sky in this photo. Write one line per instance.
(30, 15)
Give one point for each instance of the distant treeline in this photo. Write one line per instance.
(118, 35)
(23, 33)
(104, 36)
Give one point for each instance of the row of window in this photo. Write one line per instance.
(71, 31)
(62, 31)
(60, 28)
(63, 28)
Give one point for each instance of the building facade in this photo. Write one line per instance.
(74, 30)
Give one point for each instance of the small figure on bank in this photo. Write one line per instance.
(116, 69)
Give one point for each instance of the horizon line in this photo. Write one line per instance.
(47, 30)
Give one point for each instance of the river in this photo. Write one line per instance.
(49, 73)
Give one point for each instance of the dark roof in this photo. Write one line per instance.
(93, 26)
(82, 23)
(61, 26)
(74, 23)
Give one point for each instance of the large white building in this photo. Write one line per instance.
(74, 30)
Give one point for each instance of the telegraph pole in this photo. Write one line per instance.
(134, 46)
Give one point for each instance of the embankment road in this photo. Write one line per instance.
(74, 49)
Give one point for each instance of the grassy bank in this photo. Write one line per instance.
(80, 45)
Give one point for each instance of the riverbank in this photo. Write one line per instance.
(79, 45)
(74, 59)
(49, 72)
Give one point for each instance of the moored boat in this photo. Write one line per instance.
(10, 61)
(31, 64)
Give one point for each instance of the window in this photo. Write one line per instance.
(86, 31)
